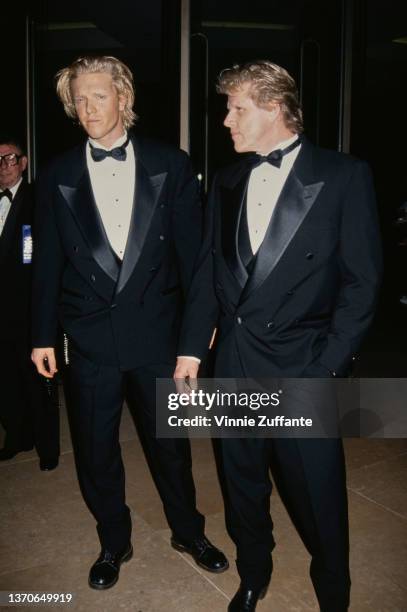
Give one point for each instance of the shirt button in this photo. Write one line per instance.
(92, 278)
(239, 320)
(161, 237)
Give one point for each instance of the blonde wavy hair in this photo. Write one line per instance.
(121, 76)
(269, 83)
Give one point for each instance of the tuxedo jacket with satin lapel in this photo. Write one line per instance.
(311, 295)
(15, 276)
(116, 313)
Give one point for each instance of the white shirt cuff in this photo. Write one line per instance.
(189, 357)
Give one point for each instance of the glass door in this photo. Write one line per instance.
(145, 35)
(306, 37)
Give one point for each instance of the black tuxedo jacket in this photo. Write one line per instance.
(311, 295)
(15, 276)
(114, 313)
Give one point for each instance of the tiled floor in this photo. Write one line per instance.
(48, 540)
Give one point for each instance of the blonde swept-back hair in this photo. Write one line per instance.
(121, 76)
(269, 83)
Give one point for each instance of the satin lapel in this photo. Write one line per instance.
(82, 203)
(232, 199)
(147, 192)
(294, 203)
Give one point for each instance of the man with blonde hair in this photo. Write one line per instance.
(289, 273)
(119, 225)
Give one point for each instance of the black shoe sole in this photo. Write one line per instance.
(104, 587)
(48, 466)
(184, 549)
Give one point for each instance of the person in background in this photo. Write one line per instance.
(28, 411)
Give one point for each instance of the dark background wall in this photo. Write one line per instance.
(145, 35)
(305, 36)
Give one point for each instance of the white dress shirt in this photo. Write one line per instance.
(5, 205)
(113, 183)
(265, 185)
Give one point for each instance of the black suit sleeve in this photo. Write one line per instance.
(202, 308)
(187, 222)
(360, 263)
(48, 264)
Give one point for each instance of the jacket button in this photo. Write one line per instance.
(309, 255)
(239, 320)
(291, 292)
(113, 306)
(161, 237)
(270, 324)
(153, 269)
(213, 251)
(76, 248)
(162, 205)
(92, 278)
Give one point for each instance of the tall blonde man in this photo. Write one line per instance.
(119, 226)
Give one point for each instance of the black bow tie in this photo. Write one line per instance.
(118, 153)
(6, 194)
(274, 158)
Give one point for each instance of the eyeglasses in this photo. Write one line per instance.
(10, 159)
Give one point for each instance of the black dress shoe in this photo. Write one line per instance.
(245, 600)
(205, 554)
(48, 465)
(7, 453)
(105, 572)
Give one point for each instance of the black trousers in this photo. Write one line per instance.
(29, 409)
(95, 395)
(310, 476)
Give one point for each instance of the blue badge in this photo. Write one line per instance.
(27, 244)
